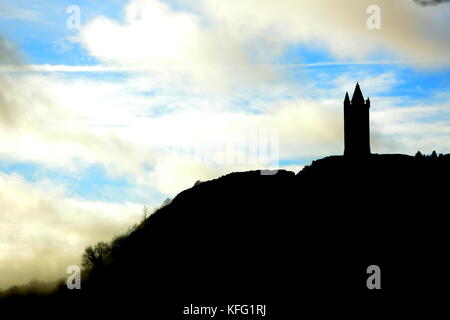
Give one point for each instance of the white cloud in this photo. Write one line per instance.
(209, 37)
(53, 122)
(154, 37)
(410, 128)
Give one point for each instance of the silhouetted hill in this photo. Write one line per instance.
(296, 242)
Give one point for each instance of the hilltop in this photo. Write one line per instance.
(286, 240)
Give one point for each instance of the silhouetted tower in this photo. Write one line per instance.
(356, 124)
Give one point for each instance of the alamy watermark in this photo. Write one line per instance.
(74, 20)
(74, 280)
(374, 19)
(374, 280)
(258, 148)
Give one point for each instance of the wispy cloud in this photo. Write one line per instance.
(10, 12)
(434, 63)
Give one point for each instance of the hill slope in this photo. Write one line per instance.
(294, 242)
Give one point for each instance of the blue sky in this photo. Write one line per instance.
(102, 120)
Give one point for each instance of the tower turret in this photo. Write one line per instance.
(347, 99)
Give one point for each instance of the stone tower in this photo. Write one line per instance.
(356, 125)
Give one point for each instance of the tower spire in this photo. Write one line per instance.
(357, 95)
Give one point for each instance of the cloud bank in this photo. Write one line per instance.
(209, 37)
(42, 231)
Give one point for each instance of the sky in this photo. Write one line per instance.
(110, 106)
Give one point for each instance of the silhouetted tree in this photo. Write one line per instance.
(94, 256)
(434, 154)
(146, 213)
(166, 202)
(197, 183)
(419, 154)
